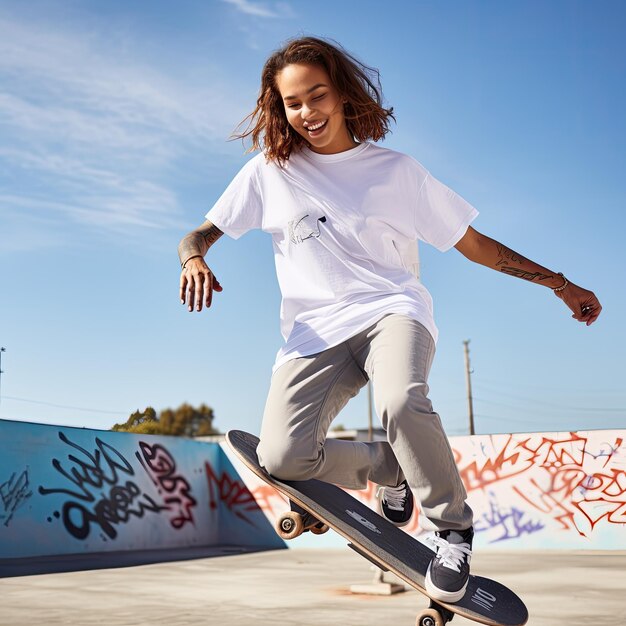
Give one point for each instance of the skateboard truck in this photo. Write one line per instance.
(297, 521)
(434, 615)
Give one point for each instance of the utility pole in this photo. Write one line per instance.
(3, 349)
(468, 380)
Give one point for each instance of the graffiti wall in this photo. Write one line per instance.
(528, 491)
(77, 491)
(69, 491)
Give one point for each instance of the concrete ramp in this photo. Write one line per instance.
(73, 498)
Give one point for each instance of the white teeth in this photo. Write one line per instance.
(315, 126)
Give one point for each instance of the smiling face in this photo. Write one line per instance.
(314, 108)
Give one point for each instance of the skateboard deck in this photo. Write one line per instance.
(378, 540)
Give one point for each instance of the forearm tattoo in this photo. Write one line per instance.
(507, 259)
(198, 242)
(506, 254)
(531, 276)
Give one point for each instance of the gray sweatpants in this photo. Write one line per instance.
(307, 393)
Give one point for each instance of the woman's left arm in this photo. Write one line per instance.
(488, 252)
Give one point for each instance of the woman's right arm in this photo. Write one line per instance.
(197, 281)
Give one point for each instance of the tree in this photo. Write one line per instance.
(192, 422)
(185, 421)
(137, 419)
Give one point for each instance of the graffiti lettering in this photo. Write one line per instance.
(269, 498)
(510, 522)
(560, 477)
(107, 512)
(161, 467)
(613, 449)
(517, 457)
(232, 493)
(510, 461)
(14, 492)
(94, 472)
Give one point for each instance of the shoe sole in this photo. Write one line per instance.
(439, 594)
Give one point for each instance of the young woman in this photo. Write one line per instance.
(345, 216)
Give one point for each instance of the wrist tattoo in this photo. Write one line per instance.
(198, 242)
(188, 248)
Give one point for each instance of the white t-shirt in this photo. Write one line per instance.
(344, 229)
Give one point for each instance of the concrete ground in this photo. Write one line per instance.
(304, 588)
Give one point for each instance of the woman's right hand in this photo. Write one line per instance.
(197, 284)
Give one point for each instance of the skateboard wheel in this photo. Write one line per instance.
(430, 617)
(319, 529)
(290, 525)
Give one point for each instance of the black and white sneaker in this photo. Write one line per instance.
(448, 573)
(396, 503)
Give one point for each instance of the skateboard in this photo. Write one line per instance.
(317, 506)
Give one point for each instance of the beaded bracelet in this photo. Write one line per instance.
(565, 283)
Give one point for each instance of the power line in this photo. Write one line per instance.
(499, 384)
(558, 407)
(521, 424)
(64, 406)
(534, 400)
(518, 420)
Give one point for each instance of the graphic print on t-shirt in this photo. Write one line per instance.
(304, 227)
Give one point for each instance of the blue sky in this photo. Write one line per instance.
(114, 120)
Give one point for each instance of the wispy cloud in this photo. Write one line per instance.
(92, 135)
(262, 9)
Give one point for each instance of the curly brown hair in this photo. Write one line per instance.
(358, 84)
